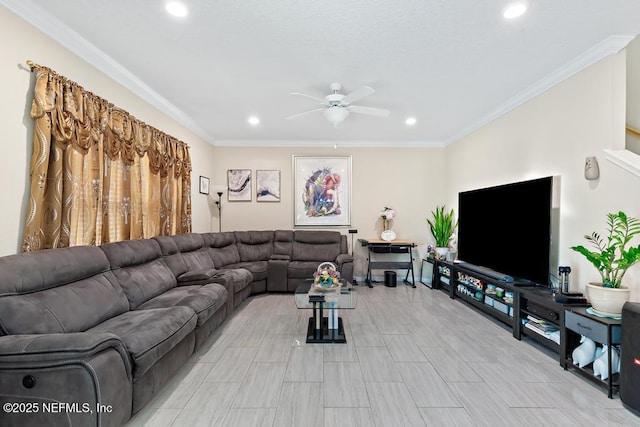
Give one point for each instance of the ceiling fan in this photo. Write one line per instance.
(336, 106)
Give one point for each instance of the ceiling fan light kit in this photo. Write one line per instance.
(336, 106)
(336, 115)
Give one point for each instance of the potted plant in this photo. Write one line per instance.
(442, 228)
(612, 258)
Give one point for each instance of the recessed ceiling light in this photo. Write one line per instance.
(410, 121)
(515, 10)
(177, 8)
(253, 121)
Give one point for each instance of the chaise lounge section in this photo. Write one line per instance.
(110, 325)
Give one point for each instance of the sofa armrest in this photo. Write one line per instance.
(344, 262)
(342, 258)
(90, 369)
(197, 277)
(280, 258)
(28, 349)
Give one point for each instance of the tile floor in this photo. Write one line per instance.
(413, 358)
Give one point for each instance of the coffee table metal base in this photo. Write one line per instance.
(324, 335)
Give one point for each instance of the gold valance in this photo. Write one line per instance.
(81, 117)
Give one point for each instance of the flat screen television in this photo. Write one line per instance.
(507, 229)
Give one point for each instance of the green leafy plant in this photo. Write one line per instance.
(442, 226)
(611, 256)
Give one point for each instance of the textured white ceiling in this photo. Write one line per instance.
(453, 64)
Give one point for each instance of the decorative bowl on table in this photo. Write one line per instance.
(326, 278)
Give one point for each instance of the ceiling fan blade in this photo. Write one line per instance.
(295, 116)
(380, 112)
(315, 98)
(357, 94)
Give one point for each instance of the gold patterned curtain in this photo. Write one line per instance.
(98, 174)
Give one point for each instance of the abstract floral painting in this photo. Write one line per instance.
(268, 185)
(239, 183)
(322, 190)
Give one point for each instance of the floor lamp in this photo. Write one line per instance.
(352, 232)
(219, 203)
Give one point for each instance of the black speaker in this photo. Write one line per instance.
(630, 357)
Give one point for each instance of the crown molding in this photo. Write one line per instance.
(327, 143)
(610, 45)
(52, 27)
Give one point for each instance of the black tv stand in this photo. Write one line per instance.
(486, 290)
(531, 302)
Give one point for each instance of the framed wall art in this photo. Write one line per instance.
(239, 185)
(267, 185)
(322, 191)
(204, 185)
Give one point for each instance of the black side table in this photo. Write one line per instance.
(602, 330)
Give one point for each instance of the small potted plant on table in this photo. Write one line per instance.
(612, 259)
(442, 228)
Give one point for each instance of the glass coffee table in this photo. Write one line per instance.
(329, 329)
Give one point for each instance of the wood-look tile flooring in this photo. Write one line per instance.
(414, 357)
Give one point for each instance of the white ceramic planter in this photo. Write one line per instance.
(607, 301)
(442, 252)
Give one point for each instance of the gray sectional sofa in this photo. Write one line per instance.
(89, 334)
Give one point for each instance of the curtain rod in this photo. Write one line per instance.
(32, 64)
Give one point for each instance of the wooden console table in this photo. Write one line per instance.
(382, 247)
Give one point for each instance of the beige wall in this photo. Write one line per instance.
(20, 42)
(551, 135)
(633, 94)
(406, 179)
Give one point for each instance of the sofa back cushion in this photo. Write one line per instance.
(222, 248)
(316, 245)
(195, 255)
(58, 291)
(254, 245)
(140, 269)
(282, 242)
(184, 253)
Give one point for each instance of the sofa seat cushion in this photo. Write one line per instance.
(204, 300)
(236, 278)
(258, 269)
(150, 334)
(302, 269)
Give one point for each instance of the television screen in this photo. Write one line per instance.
(508, 229)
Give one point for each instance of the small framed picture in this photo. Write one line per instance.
(268, 185)
(239, 184)
(204, 185)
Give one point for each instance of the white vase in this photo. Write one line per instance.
(442, 252)
(607, 301)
